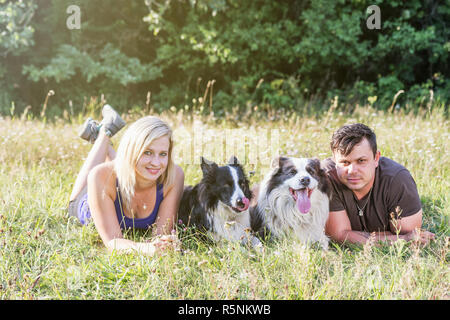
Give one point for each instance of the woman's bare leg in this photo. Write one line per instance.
(101, 151)
(111, 153)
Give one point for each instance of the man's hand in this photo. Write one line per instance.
(420, 236)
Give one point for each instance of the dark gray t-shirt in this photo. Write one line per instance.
(393, 186)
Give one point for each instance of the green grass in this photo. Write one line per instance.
(45, 255)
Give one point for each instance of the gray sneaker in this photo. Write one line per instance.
(111, 120)
(89, 130)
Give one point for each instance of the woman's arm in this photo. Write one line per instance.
(159, 244)
(101, 190)
(168, 209)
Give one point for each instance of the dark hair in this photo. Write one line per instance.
(346, 137)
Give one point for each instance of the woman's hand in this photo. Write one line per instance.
(158, 245)
(166, 242)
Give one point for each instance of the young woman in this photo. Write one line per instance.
(137, 187)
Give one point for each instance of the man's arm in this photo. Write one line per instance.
(338, 228)
(409, 228)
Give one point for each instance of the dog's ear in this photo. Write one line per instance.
(275, 162)
(315, 164)
(234, 161)
(207, 166)
(278, 162)
(320, 172)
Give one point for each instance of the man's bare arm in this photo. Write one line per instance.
(338, 228)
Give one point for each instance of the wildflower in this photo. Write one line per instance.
(202, 263)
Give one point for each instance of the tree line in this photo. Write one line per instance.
(228, 53)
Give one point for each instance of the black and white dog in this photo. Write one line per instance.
(220, 203)
(293, 200)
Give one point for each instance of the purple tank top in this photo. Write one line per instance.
(143, 223)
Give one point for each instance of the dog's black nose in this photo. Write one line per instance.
(305, 181)
(240, 203)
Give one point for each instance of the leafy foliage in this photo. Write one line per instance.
(16, 31)
(16, 35)
(280, 54)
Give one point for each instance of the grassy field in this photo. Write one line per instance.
(45, 255)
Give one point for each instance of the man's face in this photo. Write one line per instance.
(357, 170)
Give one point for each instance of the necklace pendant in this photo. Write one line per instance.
(360, 213)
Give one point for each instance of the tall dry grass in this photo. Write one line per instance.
(45, 255)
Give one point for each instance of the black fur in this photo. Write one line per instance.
(217, 184)
(284, 172)
(257, 223)
(315, 169)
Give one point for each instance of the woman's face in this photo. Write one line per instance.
(153, 161)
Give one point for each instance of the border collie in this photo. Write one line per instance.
(293, 200)
(220, 203)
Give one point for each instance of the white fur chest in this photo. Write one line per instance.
(226, 224)
(283, 219)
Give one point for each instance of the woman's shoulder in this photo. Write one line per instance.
(179, 179)
(179, 173)
(104, 175)
(104, 170)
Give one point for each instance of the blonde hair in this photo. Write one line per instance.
(132, 145)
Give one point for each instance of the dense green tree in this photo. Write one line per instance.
(16, 35)
(108, 55)
(281, 51)
(278, 53)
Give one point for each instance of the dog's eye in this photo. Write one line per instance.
(293, 172)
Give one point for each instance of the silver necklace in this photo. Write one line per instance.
(361, 210)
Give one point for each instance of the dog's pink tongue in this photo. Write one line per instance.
(246, 202)
(303, 202)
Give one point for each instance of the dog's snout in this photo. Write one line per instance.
(240, 203)
(305, 181)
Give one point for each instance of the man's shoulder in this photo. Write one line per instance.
(394, 177)
(389, 168)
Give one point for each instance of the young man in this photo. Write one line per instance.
(371, 195)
